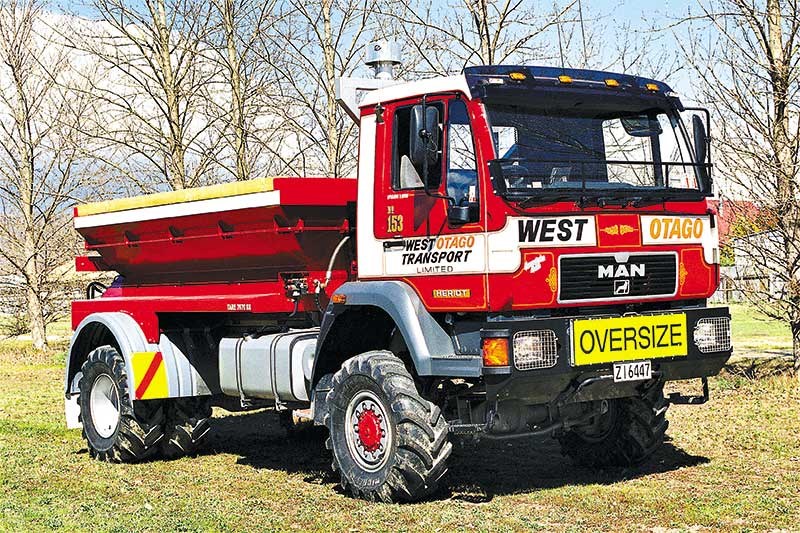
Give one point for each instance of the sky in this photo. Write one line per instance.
(636, 10)
(644, 14)
(639, 14)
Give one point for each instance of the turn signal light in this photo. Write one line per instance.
(495, 351)
(339, 298)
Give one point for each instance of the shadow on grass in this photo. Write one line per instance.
(477, 471)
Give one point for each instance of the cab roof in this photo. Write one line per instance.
(539, 76)
(476, 82)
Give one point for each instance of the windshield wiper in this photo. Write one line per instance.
(544, 199)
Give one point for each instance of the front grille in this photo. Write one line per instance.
(601, 277)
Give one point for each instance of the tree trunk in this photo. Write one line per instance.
(36, 319)
(329, 57)
(237, 118)
(796, 347)
(35, 309)
(176, 164)
(26, 165)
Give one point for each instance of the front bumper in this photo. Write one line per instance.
(544, 381)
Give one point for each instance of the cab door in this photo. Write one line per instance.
(433, 237)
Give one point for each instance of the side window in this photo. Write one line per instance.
(404, 174)
(462, 173)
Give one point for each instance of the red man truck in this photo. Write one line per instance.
(526, 251)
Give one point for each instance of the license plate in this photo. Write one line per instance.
(628, 338)
(637, 371)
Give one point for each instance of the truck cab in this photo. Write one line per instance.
(513, 194)
(554, 224)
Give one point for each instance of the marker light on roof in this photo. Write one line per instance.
(495, 81)
(651, 87)
(673, 94)
(612, 83)
(565, 79)
(517, 76)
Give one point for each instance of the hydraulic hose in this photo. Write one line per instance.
(335, 254)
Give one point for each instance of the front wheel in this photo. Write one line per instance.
(626, 434)
(388, 442)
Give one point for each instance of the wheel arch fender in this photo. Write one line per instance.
(390, 304)
(98, 329)
(177, 378)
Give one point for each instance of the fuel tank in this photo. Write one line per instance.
(270, 367)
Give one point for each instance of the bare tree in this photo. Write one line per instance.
(446, 38)
(247, 117)
(748, 57)
(318, 40)
(41, 163)
(153, 131)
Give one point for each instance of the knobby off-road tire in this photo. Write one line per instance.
(628, 434)
(115, 428)
(389, 444)
(186, 427)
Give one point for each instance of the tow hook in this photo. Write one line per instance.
(677, 398)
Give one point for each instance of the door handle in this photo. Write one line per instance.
(393, 245)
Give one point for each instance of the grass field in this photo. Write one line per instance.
(732, 464)
(755, 334)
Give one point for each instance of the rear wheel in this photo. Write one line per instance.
(628, 433)
(388, 442)
(115, 428)
(186, 427)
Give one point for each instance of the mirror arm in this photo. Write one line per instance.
(425, 135)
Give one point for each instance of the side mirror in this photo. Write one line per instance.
(700, 139)
(458, 214)
(424, 136)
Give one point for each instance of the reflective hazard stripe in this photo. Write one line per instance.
(150, 375)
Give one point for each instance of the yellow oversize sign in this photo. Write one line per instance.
(605, 340)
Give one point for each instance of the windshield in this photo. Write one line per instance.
(636, 151)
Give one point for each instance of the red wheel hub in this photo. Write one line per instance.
(369, 430)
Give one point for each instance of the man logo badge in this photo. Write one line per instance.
(622, 287)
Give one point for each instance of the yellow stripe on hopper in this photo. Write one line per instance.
(210, 192)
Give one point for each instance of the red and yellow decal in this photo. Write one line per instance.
(539, 278)
(149, 375)
(618, 231)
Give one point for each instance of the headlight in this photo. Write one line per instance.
(713, 334)
(535, 349)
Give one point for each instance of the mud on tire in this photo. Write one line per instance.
(116, 429)
(186, 426)
(628, 434)
(397, 445)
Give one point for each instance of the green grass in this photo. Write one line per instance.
(732, 464)
(754, 334)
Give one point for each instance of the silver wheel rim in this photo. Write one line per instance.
(365, 409)
(104, 405)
